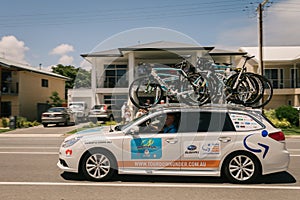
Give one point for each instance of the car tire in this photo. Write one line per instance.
(241, 167)
(45, 125)
(99, 165)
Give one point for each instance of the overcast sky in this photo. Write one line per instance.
(58, 31)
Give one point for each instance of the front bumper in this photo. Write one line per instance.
(99, 116)
(53, 120)
(70, 163)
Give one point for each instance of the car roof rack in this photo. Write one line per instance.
(206, 106)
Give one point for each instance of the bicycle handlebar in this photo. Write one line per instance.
(248, 57)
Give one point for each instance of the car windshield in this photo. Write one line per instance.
(56, 109)
(76, 106)
(133, 121)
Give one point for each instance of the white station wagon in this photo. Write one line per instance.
(235, 142)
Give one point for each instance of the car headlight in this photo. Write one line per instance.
(70, 142)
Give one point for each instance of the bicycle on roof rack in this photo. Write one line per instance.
(201, 85)
(240, 87)
(174, 81)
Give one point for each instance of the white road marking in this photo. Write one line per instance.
(29, 135)
(29, 147)
(169, 185)
(30, 153)
(293, 149)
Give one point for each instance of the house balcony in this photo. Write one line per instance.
(285, 83)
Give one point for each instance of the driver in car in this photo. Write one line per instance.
(169, 126)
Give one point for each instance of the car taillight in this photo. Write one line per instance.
(105, 107)
(279, 136)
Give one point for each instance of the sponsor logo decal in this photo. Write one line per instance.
(146, 148)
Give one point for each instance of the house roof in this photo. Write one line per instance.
(23, 67)
(159, 45)
(275, 53)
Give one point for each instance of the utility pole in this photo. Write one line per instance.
(260, 41)
(260, 35)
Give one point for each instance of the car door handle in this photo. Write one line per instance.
(225, 139)
(172, 140)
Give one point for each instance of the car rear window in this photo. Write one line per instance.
(56, 109)
(98, 107)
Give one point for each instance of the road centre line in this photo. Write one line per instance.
(118, 184)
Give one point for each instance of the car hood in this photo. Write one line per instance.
(97, 132)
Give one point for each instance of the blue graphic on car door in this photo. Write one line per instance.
(264, 149)
(146, 148)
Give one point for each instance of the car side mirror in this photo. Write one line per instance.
(134, 130)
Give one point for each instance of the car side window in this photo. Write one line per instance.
(153, 124)
(161, 123)
(205, 122)
(244, 122)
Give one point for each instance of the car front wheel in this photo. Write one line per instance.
(98, 165)
(242, 168)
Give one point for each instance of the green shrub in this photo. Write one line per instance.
(289, 113)
(21, 121)
(5, 122)
(283, 123)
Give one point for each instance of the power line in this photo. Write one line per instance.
(179, 10)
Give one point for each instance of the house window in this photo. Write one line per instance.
(275, 76)
(45, 83)
(5, 109)
(294, 78)
(115, 76)
(116, 101)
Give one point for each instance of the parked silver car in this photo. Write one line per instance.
(238, 143)
(58, 115)
(101, 112)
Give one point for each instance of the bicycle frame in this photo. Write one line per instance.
(165, 78)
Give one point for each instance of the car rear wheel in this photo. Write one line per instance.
(45, 125)
(241, 168)
(98, 165)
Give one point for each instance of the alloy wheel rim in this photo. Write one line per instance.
(241, 168)
(97, 166)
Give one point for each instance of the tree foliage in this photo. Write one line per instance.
(79, 78)
(55, 100)
(83, 79)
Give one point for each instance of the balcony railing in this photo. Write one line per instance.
(9, 88)
(285, 83)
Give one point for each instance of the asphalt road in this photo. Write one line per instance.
(28, 171)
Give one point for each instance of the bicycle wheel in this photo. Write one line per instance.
(242, 90)
(265, 90)
(197, 94)
(143, 89)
